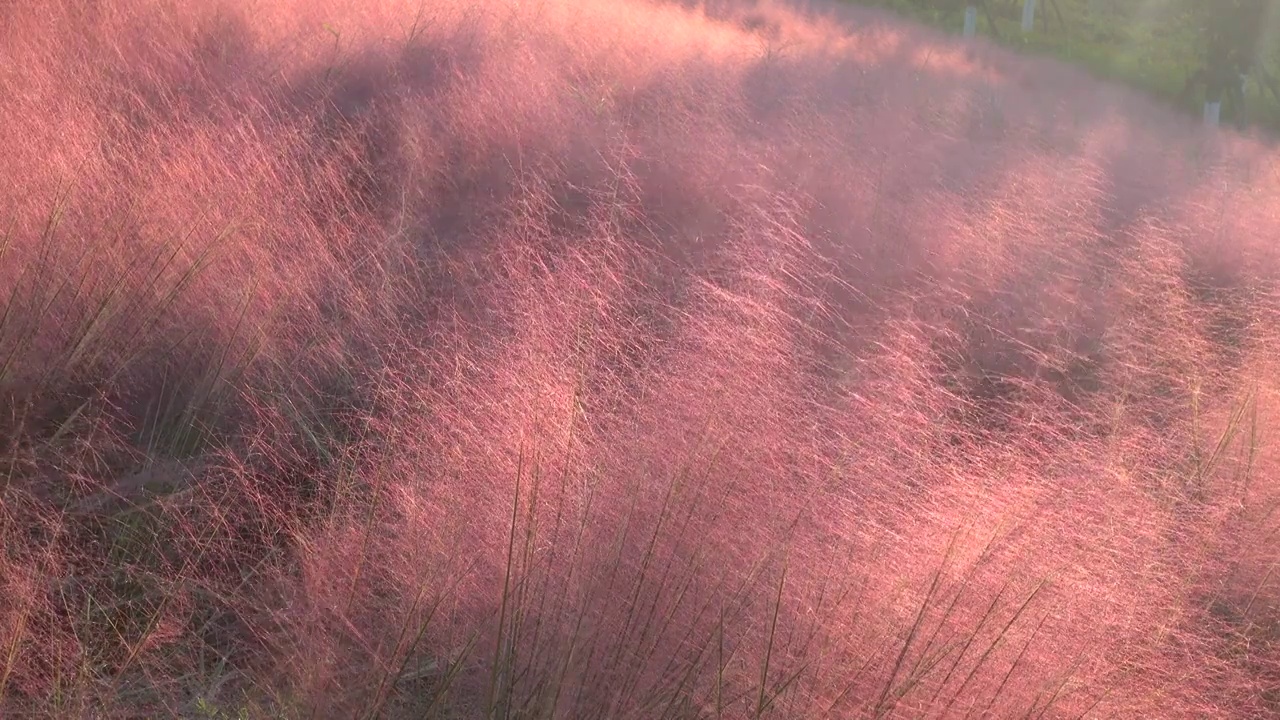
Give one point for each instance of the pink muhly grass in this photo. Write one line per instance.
(621, 359)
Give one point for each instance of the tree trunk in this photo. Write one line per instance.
(995, 31)
(1057, 12)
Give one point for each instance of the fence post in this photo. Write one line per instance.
(1212, 113)
(970, 21)
(1028, 15)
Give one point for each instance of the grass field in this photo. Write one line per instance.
(586, 359)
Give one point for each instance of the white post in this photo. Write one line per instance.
(970, 21)
(1028, 15)
(1212, 113)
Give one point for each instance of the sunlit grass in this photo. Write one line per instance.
(586, 359)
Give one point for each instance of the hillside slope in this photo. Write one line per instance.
(592, 359)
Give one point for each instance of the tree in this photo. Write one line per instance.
(1228, 36)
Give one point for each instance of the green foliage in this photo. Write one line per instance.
(1181, 51)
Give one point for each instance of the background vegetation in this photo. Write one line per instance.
(1153, 45)
(574, 359)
